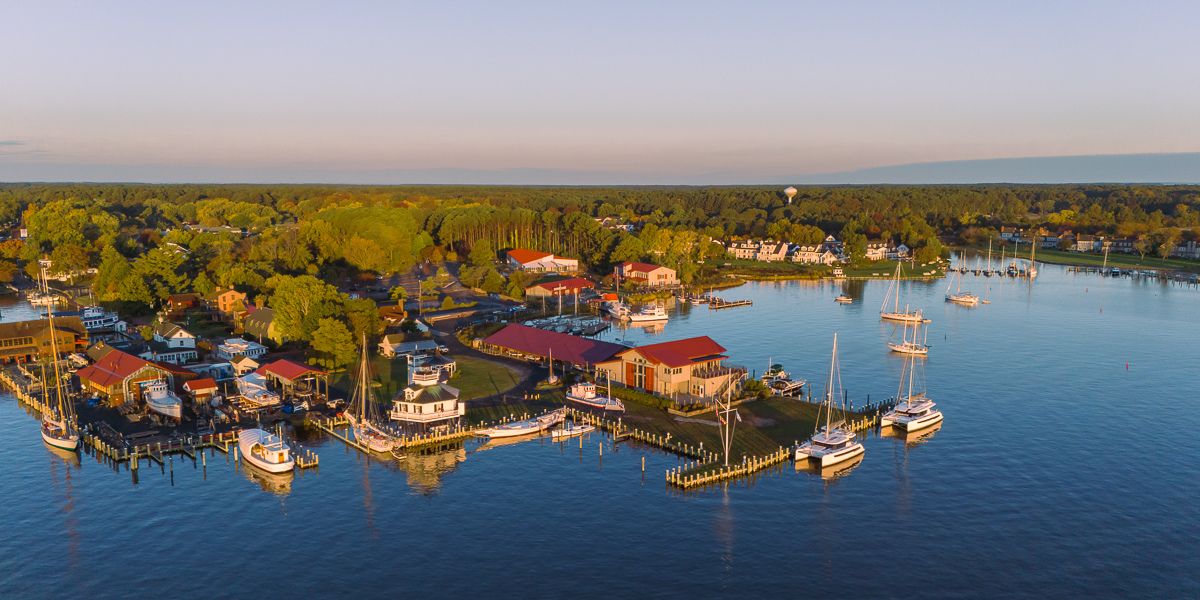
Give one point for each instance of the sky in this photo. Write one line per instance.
(596, 92)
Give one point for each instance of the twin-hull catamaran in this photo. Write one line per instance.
(914, 411)
(831, 444)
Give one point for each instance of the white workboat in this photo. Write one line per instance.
(527, 426)
(265, 451)
(650, 313)
(585, 393)
(831, 444)
(571, 430)
(908, 316)
(914, 411)
(160, 399)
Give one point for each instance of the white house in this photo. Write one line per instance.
(745, 250)
(771, 251)
(541, 262)
(897, 252)
(646, 274)
(235, 347)
(174, 336)
(427, 400)
(394, 345)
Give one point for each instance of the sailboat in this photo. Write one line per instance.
(895, 315)
(830, 444)
(1032, 272)
(988, 291)
(913, 412)
(363, 414)
(960, 297)
(907, 346)
(59, 428)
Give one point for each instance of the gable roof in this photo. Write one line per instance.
(113, 368)
(564, 347)
(574, 283)
(438, 392)
(20, 329)
(167, 329)
(258, 322)
(197, 385)
(524, 256)
(287, 370)
(681, 353)
(640, 267)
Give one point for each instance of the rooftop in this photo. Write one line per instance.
(564, 347)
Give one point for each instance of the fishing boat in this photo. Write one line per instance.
(58, 425)
(571, 430)
(914, 411)
(650, 313)
(265, 451)
(844, 299)
(907, 346)
(781, 383)
(585, 393)
(831, 444)
(894, 294)
(363, 410)
(160, 399)
(960, 297)
(526, 426)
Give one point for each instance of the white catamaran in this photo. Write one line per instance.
(914, 411)
(894, 294)
(830, 444)
(363, 413)
(59, 428)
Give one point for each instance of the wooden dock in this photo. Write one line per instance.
(699, 474)
(718, 303)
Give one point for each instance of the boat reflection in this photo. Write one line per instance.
(508, 441)
(912, 439)
(279, 484)
(831, 473)
(69, 457)
(426, 469)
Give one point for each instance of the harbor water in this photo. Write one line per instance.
(1066, 467)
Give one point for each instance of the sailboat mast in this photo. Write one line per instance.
(829, 388)
(63, 406)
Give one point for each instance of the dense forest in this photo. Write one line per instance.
(148, 241)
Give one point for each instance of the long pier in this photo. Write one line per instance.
(718, 303)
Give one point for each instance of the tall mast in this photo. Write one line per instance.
(829, 388)
(897, 307)
(63, 406)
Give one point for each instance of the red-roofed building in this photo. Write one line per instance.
(519, 341)
(562, 287)
(115, 376)
(295, 378)
(540, 262)
(693, 366)
(201, 389)
(646, 274)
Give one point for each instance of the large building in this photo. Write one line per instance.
(23, 341)
(646, 274)
(116, 374)
(261, 324)
(694, 366)
(541, 262)
(530, 343)
(558, 287)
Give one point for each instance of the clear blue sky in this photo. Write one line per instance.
(648, 91)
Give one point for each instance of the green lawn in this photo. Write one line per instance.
(1089, 259)
(389, 377)
(478, 378)
(887, 268)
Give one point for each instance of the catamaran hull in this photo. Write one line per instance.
(71, 443)
(831, 458)
(914, 424)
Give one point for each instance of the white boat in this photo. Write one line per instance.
(894, 294)
(59, 428)
(914, 411)
(781, 383)
(844, 299)
(831, 444)
(571, 430)
(619, 310)
(585, 393)
(265, 451)
(650, 313)
(160, 399)
(912, 346)
(527, 426)
(363, 412)
(59, 433)
(961, 297)
(253, 388)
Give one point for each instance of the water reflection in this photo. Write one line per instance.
(831, 474)
(426, 469)
(279, 484)
(69, 457)
(912, 439)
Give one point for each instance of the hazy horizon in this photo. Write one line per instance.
(619, 92)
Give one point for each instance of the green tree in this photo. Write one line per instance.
(630, 248)
(202, 284)
(134, 289)
(482, 254)
(363, 316)
(493, 282)
(333, 341)
(399, 294)
(301, 302)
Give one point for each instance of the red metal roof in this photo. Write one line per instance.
(98, 376)
(524, 256)
(575, 283)
(681, 353)
(564, 347)
(628, 266)
(286, 369)
(112, 368)
(197, 385)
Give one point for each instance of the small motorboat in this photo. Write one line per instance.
(585, 393)
(527, 426)
(265, 451)
(650, 313)
(571, 430)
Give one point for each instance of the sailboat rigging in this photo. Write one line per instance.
(59, 427)
(831, 444)
(363, 414)
(895, 315)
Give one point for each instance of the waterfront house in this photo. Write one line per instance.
(427, 400)
(163, 352)
(876, 250)
(744, 249)
(896, 252)
(261, 324)
(771, 251)
(693, 366)
(541, 262)
(645, 274)
(558, 287)
(234, 347)
(116, 375)
(1009, 234)
(807, 253)
(22, 341)
(1084, 243)
(833, 245)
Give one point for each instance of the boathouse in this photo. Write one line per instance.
(116, 376)
(540, 262)
(558, 287)
(530, 343)
(22, 341)
(201, 390)
(694, 366)
(294, 378)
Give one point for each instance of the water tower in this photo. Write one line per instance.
(789, 192)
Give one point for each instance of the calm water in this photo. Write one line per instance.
(1059, 472)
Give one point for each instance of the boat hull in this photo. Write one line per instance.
(826, 459)
(906, 350)
(902, 317)
(247, 439)
(68, 443)
(617, 406)
(169, 409)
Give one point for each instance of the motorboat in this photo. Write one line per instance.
(650, 313)
(619, 310)
(160, 399)
(781, 383)
(571, 430)
(585, 393)
(831, 444)
(265, 450)
(526, 426)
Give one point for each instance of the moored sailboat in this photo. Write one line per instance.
(363, 412)
(908, 316)
(914, 411)
(907, 346)
(831, 444)
(59, 428)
